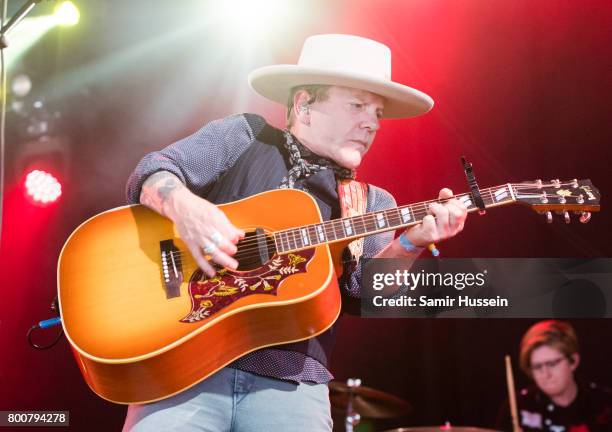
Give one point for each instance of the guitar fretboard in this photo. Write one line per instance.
(376, 222)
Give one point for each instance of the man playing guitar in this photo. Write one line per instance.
(336, 95)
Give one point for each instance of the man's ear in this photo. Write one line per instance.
(574, 360)
(301, 108)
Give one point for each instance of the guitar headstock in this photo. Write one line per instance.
(562, 197)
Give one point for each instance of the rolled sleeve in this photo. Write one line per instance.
(197, 160)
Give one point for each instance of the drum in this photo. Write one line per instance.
(444, 428)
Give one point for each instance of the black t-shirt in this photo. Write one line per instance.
(591, 411)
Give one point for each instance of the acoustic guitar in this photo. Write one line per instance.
(145, 323)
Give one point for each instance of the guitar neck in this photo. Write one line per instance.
(355, 227)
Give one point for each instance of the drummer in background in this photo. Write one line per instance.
(557, 402)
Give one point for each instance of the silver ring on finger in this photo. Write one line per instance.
(216, 238)
(210, 249)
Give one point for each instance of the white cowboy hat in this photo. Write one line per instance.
(342, 60)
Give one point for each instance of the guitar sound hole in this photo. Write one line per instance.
(254, 250)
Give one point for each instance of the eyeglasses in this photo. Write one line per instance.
(550, 364)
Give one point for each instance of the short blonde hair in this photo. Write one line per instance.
(556, 334)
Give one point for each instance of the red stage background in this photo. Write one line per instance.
(522, 89)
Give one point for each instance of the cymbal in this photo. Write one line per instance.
(441, 429)
(367, 401)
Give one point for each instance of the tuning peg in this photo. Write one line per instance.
(575, 183)
(539, 183)
(580, 199)
(585, 217)
(556, 183)
(566, 216)
(549, 217)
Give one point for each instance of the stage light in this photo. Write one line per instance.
(42, 167)
(42, 187)
(246, 16)
(21, 84)
(66, 14)
(25, 35)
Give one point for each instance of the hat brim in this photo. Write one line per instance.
(275, 83)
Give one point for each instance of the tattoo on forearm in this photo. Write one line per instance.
(169, 185)
(157, 188)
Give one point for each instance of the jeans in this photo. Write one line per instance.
(235, 401)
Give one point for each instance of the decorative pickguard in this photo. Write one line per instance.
(210, 295)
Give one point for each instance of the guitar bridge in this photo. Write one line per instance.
(172, 271)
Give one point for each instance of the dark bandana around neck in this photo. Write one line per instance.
(304, 163)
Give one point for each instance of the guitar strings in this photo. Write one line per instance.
(253, 244)
(191, 266)
(367, 221)
(338, 222)
(418, 207)
(418, 210)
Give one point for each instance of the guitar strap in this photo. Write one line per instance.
(353, 196)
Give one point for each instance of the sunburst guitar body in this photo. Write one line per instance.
(143, 321)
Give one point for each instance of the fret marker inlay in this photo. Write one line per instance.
(466, 200)
(405, 212)
(380, 218)
(500, 194)
(320, 232)
(347, 227)
(305, 236)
